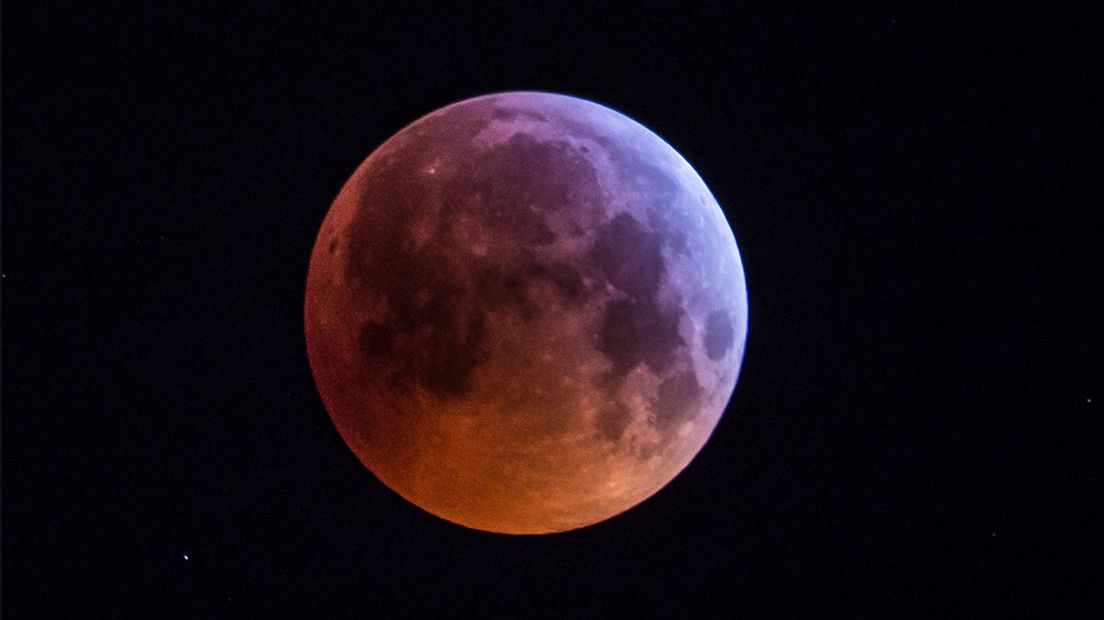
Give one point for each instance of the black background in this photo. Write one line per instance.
(916, 197)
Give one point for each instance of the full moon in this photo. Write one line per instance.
(525, 313)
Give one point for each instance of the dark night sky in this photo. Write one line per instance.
(916, 196)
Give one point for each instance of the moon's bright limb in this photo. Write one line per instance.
(525, 312)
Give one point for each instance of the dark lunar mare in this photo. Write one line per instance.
(422, 336)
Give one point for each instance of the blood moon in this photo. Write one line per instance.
(525, 312)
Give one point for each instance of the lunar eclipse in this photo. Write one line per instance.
(525, 313)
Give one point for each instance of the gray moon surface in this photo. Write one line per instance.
(525, 313)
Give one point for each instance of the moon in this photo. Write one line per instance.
(525, 313)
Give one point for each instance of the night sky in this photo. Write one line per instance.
(916, 196)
